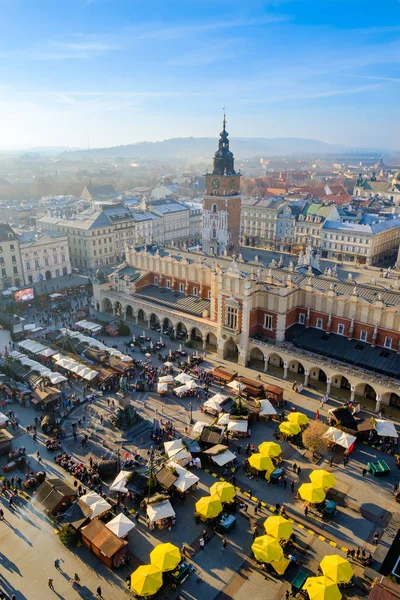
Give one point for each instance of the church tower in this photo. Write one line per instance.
(222, 203)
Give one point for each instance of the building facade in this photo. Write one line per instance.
(222, 203)
(338, 336)
(44, 256)
(309, 223)
(390, 190)
(267, 223)
(10, 258)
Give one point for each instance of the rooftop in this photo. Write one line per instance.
(177, 300)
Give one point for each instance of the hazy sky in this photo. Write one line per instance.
(121, 71)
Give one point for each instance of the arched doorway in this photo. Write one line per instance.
(48, 275)
(275, 365)
(142, 319)
(196, 337)
(366, 391)
(118, 310)
(211, 342)
(167, 327)
(155, 323)
(391, 399)
(181, 331)
(296, 371)
(317, 378)
(231, 351)
(129, 312)
(107, 306)
(256, 360)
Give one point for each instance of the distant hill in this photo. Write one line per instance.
(205, 147)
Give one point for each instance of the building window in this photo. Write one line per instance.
(232, 317)
(168, 283)
(214, 234)
(46, 262)
(195, 292)
(214, 208)
(28, 266)
(363, 335)
(302, 318)
(15, 270)
(155, 280)
(340, 329)
(388, 342)
(181, 287)
(209, 294)
(268, 322)
(319, 323)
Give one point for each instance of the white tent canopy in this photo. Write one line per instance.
(162, 387)
(90, 498)
(386, 428)
(89, 325)
(74, 367)
(166, 379)
(38, 367)
(185, 480)
(236, 385)
(183, 378)
(223, 419)
(3, 419)
(181, 390)
(91, 342)
(223, 458)
(214, 403)
(266, 408)
(160, 510)
(99, 508)
(173, 447)
(119, 483)
(339, 437)
(121, 525)
(199, 426)
(239, 425)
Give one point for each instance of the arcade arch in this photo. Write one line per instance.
(231, 351)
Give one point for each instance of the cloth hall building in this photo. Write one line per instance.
(295, 322)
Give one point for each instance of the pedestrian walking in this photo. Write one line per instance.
(306, 511)
(317, 414)
(57, 563)
(331, 461)
(224, 544)
(99, 592)
(1, 514)
(299, 471)
(284, 483)
(292, 486)
(375, 541)
(255, 510)
(295, 468)
(287, 595)
(202, 543)
(137, 516)
(364, 472)
(50, 583)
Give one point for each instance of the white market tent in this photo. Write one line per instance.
(191, 385)
(99, 508)
(185, 478)
(181, 390)
(339, 437)
(90, 498)
(236, 386)
(386, 428)
(240, 425)
(54, 296)
(119, 483)
(166, 379)
(183, 456)
(215, 402)
(74, 367)
(223, 458)
(160, 510)
(3, 419)
(223, 419)
(121, 525)
(47, 352)
(173, 447)
(54, 377)
(89, 325)
(162, 387)
(183, 378)
(92, 343)
(266, 408)
(199, 426)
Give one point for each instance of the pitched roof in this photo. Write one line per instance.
(178, 300)
(100, 191)
(7, 234)
(102, 538)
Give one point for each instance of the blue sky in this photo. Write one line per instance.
(121, 71)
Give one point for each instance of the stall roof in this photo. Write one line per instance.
(223, 458)
(160, 510)
(267, 408)
(165, 477)
(216, 449)
(102, 538)
(121, 525)
(185, 478)
(52, 492)
(386, 428)
(211, 436)
(339, 437)
(240, 425)
(119, 483)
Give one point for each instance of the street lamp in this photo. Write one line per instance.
(191, 413)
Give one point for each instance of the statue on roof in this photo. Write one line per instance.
(360, 180)
(373, 176)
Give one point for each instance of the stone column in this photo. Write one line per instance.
(353, 393)
(378, 403)
(148, 323)
(285, 369)
(265, 364)
(328, 385)
(306, 375)
(204, 342)
(175, 331)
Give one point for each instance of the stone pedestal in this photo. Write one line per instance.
(123, 399)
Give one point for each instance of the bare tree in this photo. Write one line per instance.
(312, 437)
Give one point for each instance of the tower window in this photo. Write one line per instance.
(232, 317)
(214, 208)
(214, 234)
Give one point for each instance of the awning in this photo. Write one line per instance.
(119, 483)
(339, 437)
(181, 390)
(386, 428)
(160, 510)
(223, 458)
(199, 426)
(238, 425)
(183, 378)
(236, 385)
(266, 408)
(99, 508)
(166, 379)
(121, 525)
(162, 387)
(185, 478)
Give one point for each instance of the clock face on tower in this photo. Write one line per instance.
(215, 183)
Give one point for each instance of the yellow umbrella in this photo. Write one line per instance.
(209, 506)
(311, 493)
(266, 549)
(224, 491)
(322, 478)
(270, 449)
(322, 588)
(261, 463)
(165, 557)
(337, 568)
(298, 418)
(278, 527)
(289, 428)
(146, 580)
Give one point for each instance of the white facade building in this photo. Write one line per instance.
(44, 256)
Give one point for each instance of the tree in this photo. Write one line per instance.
(68, 536)
(123, 329)
(313, 437)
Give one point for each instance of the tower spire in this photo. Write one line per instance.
(224, 121)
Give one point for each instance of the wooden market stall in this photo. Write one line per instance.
(223, 376)
(107, 546)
